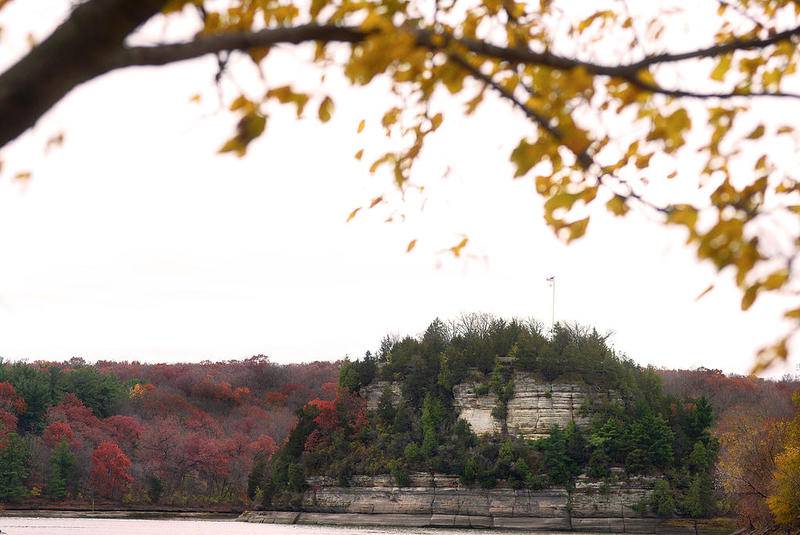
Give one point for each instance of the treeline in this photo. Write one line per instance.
(640, 431)
(178, 434)
(759, 433)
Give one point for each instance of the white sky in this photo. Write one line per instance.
(135, 240)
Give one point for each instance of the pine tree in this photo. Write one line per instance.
(62, 471)
(14, 468)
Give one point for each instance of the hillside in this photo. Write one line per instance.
(499, 404)
(135, 434)
(475, 421)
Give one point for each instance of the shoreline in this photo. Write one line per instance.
(117, 513)
(711, 526)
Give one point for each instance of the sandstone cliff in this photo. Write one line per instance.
(438, 500)
(533, 410)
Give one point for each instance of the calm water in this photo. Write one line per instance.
(103, 526)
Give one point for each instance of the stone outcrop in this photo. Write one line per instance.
(372, 393)
(442, 501)
(533, 410)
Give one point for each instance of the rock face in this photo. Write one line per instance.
(373, 392)
(535, 407)
(442, 501)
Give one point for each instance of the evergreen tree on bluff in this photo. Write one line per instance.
(638, 431)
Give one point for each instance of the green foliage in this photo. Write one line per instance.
(98, 391)
(699, 499)
(564, 453)
(354, 375)
(14, 468)
(257, 476)
(661, 501)
(38, 387)
(399, 472)
(412, 453)
(638, 428)
(62, 472)
(296, 478)
(155, 488)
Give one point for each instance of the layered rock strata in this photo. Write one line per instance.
(534, 409)
(441, 501)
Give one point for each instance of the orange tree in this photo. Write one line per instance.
(615, 97)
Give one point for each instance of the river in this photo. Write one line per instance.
(105, 526)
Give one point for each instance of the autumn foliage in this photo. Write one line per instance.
(110, 470)
(150, 433)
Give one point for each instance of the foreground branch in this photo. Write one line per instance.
(79, 50)
(90, 43)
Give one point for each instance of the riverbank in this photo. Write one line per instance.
(118, 513)
(713, 526)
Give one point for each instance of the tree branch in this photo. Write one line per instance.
(202, 45)
(90, 43)
(77, 51)
(211, 44)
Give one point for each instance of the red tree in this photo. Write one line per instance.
(110, 470)
(56, 431)
(8, 425)
(10, 400)
(125, 430)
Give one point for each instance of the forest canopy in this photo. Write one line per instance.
(640, 431)
(249, 432)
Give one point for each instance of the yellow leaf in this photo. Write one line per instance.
(577, 229)
(683, 214)
(361, 126)
(286, 95)
(722, 68)
(526, 155)
(456, 249)
(241, 102)
(359, 154)
(385, 159)
(353, 214)
(543, 184)
(757, 133)
(793, 314)
(249, 128)
(411, 245)
(785, 130)
(562, 199)
(575, 139)
(325, 109)
(257, 54)
(436, 121)
(617, 205)
(776, 279)
(390, 117)
(750, 295)
(376, 201)
(23, 175)
(195, 98)
(643, 160)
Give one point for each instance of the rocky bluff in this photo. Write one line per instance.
(533, 410)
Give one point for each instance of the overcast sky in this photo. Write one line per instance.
(135, 240)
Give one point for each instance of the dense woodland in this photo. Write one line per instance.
(677, 427)
(244, 433)
(159, 434)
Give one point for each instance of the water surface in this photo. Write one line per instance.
(106, 526)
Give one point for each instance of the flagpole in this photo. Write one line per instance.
(552, 281)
